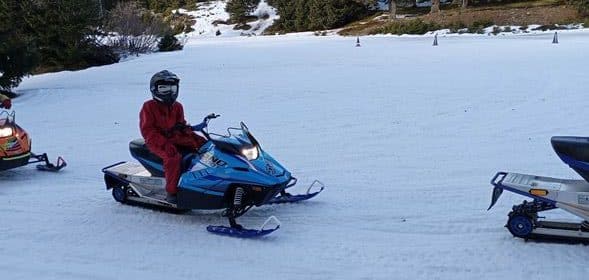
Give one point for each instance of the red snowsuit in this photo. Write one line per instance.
(157, 121)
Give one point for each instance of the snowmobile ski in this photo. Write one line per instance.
(48, 166)
(285, 197)
(243, 232)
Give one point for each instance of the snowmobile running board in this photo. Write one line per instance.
(547, 193)
(141, 189)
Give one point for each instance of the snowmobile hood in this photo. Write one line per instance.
(216, 164)
(14, 140)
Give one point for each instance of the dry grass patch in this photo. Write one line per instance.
(543, 12)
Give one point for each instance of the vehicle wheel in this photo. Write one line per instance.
(119, 194)
(520, 225)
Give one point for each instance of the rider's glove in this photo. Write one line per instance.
(6, 104)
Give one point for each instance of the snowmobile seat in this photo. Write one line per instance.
(151, 161)
(574, 147)
(574, 151)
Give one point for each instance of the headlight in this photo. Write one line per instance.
(5, 132)
(250, 153)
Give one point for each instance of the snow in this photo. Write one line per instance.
(209, 14)
(406, 136)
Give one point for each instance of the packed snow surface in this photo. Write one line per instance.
(405, 135)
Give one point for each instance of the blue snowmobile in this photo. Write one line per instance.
(229, 172)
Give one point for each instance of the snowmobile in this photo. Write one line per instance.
(548, 193)
(15, 147)
(230, 172)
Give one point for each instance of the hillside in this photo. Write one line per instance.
(550, 14)
(212, 20)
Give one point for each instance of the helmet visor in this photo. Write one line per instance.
(167, 89)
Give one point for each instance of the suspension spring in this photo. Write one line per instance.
(238, 196)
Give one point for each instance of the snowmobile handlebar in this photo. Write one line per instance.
(210, 117)
(199, 127)
(204, 124)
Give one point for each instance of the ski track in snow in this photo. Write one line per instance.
(406, 137)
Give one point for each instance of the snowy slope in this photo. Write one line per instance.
(407, 137)
(208, 15)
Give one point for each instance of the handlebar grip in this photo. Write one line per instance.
(210, 117)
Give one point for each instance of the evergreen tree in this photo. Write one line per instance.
(158, 6)
(53, 35)
(64, 32)
(305, 15)
(169, 43)
(301, 21)
(18, 53)
(239, 10)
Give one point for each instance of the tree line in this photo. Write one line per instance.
(158, 6)
(303, 15)
(312, 15)
(52, 35)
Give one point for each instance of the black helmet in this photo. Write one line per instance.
(164, 86)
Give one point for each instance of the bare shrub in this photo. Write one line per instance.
(180, 23)
(138, 30)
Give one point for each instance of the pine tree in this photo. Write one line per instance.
(64, 31)
(169, 43)
(18, 52)
(304, 15)
(239, 10)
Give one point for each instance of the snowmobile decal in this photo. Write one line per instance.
(150, 181)
(212, 161)
(11, 145)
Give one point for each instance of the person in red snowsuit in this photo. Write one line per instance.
(165, 130)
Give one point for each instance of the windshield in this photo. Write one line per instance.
(241, 133)
(6, 118)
